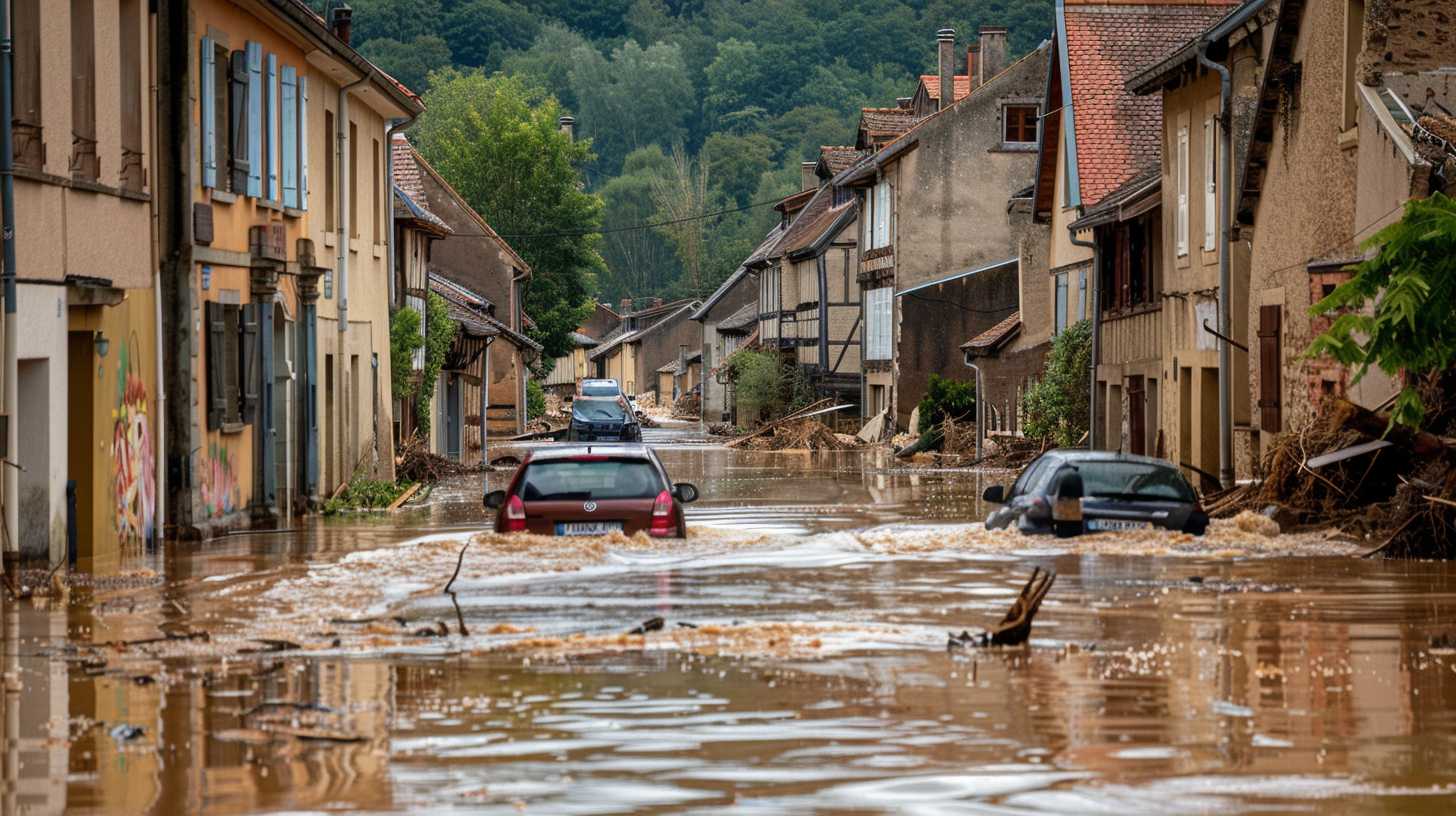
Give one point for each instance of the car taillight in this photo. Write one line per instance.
(662, 516)
(515, 515)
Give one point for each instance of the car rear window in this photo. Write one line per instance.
(600, 390)
(598, 410)
(570, 479)
(1133, 480)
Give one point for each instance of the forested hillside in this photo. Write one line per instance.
(691, 106)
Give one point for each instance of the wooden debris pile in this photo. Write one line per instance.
(415, 462)
(688, 406)
(802, 434)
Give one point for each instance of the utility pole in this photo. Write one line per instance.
(7, 236)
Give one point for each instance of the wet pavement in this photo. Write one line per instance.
(801, 667)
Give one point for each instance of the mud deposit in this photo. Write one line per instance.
(796, 662)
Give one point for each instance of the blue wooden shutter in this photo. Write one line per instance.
(272, 127)
(255, 119)
(209, 114)
(303, 143)
(290, 136)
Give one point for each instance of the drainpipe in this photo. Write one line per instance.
(395, 126)
(980, 405)
(160, 459)
(341, 123)
(1225, 237)
(1096, 291)
(7, 236)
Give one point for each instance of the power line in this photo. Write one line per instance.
(635, 227)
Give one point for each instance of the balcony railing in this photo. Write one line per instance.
(1131, 335)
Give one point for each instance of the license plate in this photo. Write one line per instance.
(1109, 525)
(588, 528)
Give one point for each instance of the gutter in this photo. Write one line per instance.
(1093, 283)
(395, 126)
(341, 125)
(1225, 236)
(11, 492)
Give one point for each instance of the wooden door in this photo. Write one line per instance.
(1270, 375)
(1136, 416)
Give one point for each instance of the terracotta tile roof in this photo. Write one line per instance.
(961, 82)
(1119, 134)
(996, 336)
(887, 120)
(811, 226)
(838, 158)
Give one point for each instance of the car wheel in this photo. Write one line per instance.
(1197, 524)
(1067, 529)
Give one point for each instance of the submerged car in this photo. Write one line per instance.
(581, 490)
(1069, 492)
(590, 387)
(602, 419)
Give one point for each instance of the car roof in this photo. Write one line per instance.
(1074, 455)
(616, 449)
(597, 381)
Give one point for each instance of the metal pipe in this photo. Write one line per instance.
(1096, 292)
(7, 237)
(1225, 238)
(980, 405)
(341, 125)
(160, 457)
(395, 126)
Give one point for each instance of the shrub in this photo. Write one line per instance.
(365, 494)
(535, 400)
(946, 399)
(439, 334)
(1055, 407)
(404, 340)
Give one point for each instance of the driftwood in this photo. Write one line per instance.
(1015, 628)
(770, 426)
(1421, 443)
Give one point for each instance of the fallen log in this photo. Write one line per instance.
(1422, 443)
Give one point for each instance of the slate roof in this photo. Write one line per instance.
(1131, 194)
(996, 336)
(887, 120)
(741, 321)
(838, 158)
(961, 83)
(466, 307)
(583, 340)
(1119, 134)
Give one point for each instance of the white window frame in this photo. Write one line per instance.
(1210, 184)
(882, 212)
(1180, 170)
(879, 327)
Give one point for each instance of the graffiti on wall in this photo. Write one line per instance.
(134, 480)
(218, 479)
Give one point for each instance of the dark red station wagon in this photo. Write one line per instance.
(592, 490)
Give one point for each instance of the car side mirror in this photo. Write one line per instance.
(1070, 486)
(685, 493)
(495, 499)
(995, 494)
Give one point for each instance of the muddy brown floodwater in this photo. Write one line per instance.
(801, 666)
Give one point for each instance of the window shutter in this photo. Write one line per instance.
(1182, 171)
(1210, 182)
(255, 119)
(1270, 378)
(216, 395)
(238, 120)
(303, 143)
(290, 137)
(272, 127)
(248, 362)
(208, 106)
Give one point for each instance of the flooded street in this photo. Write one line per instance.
(802, 665)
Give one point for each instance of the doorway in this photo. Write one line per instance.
(331, 424)
(33, 395)
(1208, 420)
(284, 357)
(1136, 419)
(453, 426)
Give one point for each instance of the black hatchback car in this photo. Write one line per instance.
(1069, 492)
(602, 419)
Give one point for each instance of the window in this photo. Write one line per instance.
(132, 174)
(1082, 310)
(236, 132)
(28, 148)
(270, 120)
(378, 207)
(85, 163)
(288, 136)
(1210, 183)
(1180, 168)
(879, 323)
(330, 197)
(1128, 263)
(353, 181)
(1019, 124)
(232, 365)
(1060, 316)
(881, 236)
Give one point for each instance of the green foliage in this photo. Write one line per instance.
(481, 32)
(946, 398)
(404, 340)
(535, 400)
(1056, 405)
(548, 62)
(736, 163)
(636, 97)
(638, 261)
(439, 334)
(366, 494)
(767, 385)
(497, 141)
(1396, 312)
(409, 62)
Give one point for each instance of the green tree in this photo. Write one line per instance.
(439, 335)
(409, 62)
(735, 80)
(736, 163)
(548, 62)
(946, 399)
(496, 140)
(1395, 312)
(639, 96)
(682, 202)
(1056, 405)
(639, 261)
(405, 338)
(481, 32)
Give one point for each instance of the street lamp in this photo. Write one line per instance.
(980, 405)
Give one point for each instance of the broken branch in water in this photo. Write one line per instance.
(1015, 628)
(458, 562)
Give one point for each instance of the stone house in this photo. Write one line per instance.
(938, 262)
(669, 339)
(475, 259)
(1346, 88)
(722, 316)
(646, 339)
(84, 402)
(569, 369)
(416, 229)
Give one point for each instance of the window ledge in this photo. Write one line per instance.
(328, 238)
(1349, 139)
(233, 427)
(292, 212)
(269, 204)
(1014, 147)
(219, 196)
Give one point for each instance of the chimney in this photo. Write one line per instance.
(945, 38)
(807, 179)
(973, 56)
(626, 305)
(341, 21)
(993, 51)
(567, 124)
(656, 302)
